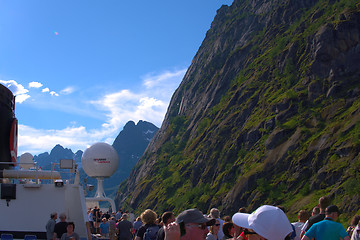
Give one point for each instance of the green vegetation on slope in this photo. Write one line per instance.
(265, 134)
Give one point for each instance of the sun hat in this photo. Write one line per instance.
(268, 221)
(194, 216)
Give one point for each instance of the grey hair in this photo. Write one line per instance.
(62, 216)
(215, 213)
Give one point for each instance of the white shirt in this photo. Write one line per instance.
(220, 233)
(298, 226)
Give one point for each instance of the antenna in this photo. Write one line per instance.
(26, 161)
(100, 161)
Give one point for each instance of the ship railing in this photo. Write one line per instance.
(37, 174)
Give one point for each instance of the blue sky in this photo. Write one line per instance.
(81, 69)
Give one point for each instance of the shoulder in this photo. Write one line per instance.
(210, 236)
(76, 236)
(318, 217)
(298, 224)
(142, 230)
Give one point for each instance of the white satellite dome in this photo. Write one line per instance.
(100, 160)
(26, 161)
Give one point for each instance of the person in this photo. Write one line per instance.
(112, 228)
(215, 213)
(97, 219)
(303, 216)
(167, 218)
(91, 220)
(239, 231)
(266, 222)
(356, 233)
(242, 210)
(60, 227)
(324, 202)
(327, 229)
(148, 217)
(227, 219)
(194, 226)
(137, 224)
(213, 231)
(315, 211)
(228, 230)
(107, 215)
(354, 222)
(125, 228)
(104, 227)
(50, 226)
(70, 234)
(118, 215)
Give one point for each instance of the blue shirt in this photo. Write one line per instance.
(104, 227)
(326, 229)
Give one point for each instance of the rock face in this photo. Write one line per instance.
(268, 112)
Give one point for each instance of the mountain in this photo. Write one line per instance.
(267, 113)
(130, 145)
(58, 152)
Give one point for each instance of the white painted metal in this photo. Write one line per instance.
(100, 160)
(31, 209)
(30, 174)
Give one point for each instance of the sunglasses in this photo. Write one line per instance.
(217, 224)
(246, 232)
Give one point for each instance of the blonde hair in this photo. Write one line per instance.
(148, 216)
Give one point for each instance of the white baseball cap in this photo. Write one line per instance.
(268, 221)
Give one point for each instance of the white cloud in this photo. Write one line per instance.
(77, 138)
(45, 90)
(35, 85)
(21, 98)
(152, 81)
(17, 89)
(67, 90)
(53, 93)
(149, 104)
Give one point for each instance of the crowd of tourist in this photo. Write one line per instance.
(265, 223)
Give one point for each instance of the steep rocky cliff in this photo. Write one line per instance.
(268, 112)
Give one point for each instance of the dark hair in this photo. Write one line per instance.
(71, 223)
(324, 202)
(303, 215)
(281, 207)
(242, 210)
(227, 227)
(166, 216)
(227, 219)
(355, 220)
(316, 210)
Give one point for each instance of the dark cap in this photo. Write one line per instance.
(194, 216)
(332, 208)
